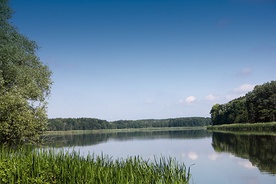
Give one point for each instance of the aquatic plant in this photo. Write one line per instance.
(50, 166)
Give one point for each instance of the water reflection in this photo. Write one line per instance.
(97, 138)
(218, 158)
(260, 150)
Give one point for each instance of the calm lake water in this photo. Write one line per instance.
(218, 157)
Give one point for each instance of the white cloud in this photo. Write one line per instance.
(192, 156)
(244, 88)
(246, 164)
(211, 97)
(190, 99)
(214, 156)
(240, 91)
(242, 162)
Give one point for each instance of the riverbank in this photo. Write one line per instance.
(151, 129)
(48, 166)
(245, 127)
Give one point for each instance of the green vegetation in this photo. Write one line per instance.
(48, 166)
(65, 124)
(24, 85)
(258, 105)
(256, 127)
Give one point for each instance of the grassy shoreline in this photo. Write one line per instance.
(269, 127)
(48, 166)
(151, 129)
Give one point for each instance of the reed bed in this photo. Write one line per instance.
(49, 166)
(261, 127)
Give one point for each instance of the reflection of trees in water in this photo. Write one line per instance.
(92, 139)
(260, 150)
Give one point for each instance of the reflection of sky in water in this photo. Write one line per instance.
(210, 166)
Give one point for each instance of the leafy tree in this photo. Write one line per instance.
(24, 84)
(258, 105)
(215, 114)
(261, 103)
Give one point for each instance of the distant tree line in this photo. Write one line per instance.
(258, 105)
(60, 124)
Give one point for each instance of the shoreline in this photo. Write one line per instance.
(149, 129)
(259, 128)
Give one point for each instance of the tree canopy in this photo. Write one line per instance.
(258, 105)
(25, 84)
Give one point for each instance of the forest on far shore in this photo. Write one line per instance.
(63, 124)
(256, 106)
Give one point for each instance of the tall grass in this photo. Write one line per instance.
(265, 127)
(49, 166)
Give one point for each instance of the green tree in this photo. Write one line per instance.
(258, 105)
(218, 114)
(24, 84)
(261, 103)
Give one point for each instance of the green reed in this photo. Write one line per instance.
(245, 127)
(49, 166)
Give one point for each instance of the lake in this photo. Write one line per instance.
(214, 157)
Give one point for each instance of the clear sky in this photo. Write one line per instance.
(138, 59)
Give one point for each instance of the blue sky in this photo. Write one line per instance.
(130, 59)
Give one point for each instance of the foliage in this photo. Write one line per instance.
(59, 124)
(24, 84)
(258, 105)
(49, 166)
